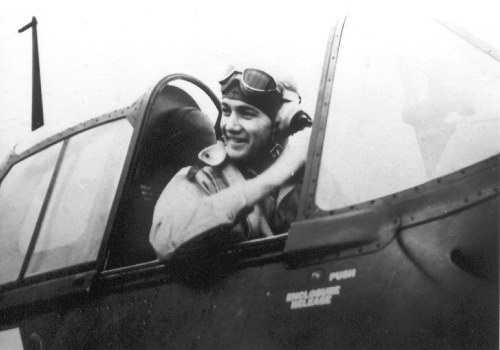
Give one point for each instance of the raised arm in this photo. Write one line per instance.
(184, 211)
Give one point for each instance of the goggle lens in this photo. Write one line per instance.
(258, 80)
(252, 79)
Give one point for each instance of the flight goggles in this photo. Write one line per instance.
(257, 82)
(251, 80)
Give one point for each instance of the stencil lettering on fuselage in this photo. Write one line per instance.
(341, 275)
(314, 297)
(319, 296)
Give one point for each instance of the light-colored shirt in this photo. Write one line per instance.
(188, 208)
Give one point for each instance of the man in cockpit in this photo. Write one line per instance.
(245, 186)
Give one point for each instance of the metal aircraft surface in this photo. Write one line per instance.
(400, 253)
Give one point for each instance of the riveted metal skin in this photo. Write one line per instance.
(307, 205)
(371, 225)
(135, 115)
(432, 283)
(59, 289)
(128, 112)
(416, 269)
(61, 281)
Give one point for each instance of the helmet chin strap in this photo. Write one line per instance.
(287, 126)
(276, 143)
(276, 150)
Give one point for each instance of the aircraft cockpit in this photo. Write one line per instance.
(396, 241)
(176, 130)
(63, 213)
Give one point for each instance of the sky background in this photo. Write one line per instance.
(98, 56)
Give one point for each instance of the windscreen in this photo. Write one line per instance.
(79, 207)
(412, 100)
(22, 193)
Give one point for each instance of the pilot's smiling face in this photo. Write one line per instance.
(246, 130)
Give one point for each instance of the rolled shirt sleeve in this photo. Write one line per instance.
(184, 211)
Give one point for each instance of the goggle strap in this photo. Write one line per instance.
(289, 95)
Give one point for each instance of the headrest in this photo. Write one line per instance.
(171, 97)
(179, 134)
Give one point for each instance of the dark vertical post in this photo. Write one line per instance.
(36, 96)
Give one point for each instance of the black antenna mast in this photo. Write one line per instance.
(36, 96)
